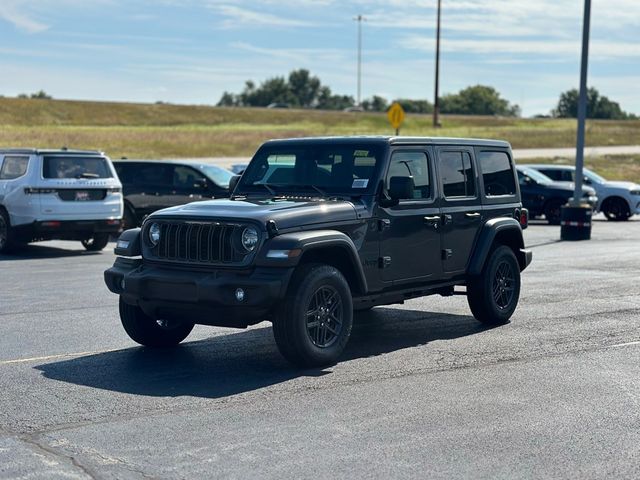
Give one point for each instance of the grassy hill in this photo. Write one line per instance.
(163, 130)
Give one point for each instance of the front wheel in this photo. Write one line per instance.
(493, 295)
(616, 209)
(96, 243)
(149, 331)
(314, 323)
(7, 241)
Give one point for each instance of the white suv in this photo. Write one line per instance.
(617, 200)
(58, 194)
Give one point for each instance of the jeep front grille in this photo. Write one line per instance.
(195, 242)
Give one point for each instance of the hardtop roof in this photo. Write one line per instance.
(393, 140)
(48, 151)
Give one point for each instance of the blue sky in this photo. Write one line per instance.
(190, 51)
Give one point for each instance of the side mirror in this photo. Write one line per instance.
(529, 181)
(401, 188)
(586, 180)
(233, 182)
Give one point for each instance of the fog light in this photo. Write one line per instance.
(239, 294)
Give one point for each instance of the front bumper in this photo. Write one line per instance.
(202, 297)
(66, 229)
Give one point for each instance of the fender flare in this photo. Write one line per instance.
(307, 241)
(490, 230)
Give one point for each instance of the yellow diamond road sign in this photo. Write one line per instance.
(396, 115)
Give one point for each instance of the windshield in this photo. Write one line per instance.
(536, 176)
(75, 167)
(594, 177)
(317, 168)
(220, 176)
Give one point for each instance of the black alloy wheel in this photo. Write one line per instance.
(324, 317)
(503, 285)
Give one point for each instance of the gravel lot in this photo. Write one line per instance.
(423, 389)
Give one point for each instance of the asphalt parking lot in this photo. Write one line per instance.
(423, 391)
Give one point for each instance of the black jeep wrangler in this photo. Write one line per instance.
(319, 227)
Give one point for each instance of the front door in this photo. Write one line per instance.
(410, 237)
(461, 210)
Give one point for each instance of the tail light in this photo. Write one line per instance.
(524, 218)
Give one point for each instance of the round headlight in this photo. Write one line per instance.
(249, 238)
(154, 234)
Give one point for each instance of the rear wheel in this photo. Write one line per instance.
(96, 243)
(149, 331)
(493, 295)
(314, 323)
(616, 209)
(7, 240)
(552, 211)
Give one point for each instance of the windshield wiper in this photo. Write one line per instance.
(88, 175)
(319, 190)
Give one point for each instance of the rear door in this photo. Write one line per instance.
(460, 206)
(410, 237)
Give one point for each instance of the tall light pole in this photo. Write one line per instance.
(436, 101)
(359, 19)
(582, 104)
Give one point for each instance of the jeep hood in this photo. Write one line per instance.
(287, 213)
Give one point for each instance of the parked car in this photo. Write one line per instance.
(543, 196)
(617, 200)
(238, 168)
(58, 195)
(318, 228)
(151, 185)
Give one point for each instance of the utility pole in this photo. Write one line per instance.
(359, 19)
(582, 104)
(436, 101)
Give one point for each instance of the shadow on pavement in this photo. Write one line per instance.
(31, 252)
(230, 364)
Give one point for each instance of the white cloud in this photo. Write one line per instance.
(13, 11)
(237, 16)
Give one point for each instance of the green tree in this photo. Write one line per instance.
(598, 106)
(415, 106)
(375, 104)
(41, 95)
(478, 100)
(304, 88)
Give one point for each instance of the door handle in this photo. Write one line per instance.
(472, 215)
(434, 220)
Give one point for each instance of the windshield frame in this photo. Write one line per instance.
(377, 150)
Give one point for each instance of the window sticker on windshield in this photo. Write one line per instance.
(360, 183)
(361, 153)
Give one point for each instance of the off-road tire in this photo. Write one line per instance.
(96, 243)
(299, 333)
(148, 331)
(616, 209)
(492, 302)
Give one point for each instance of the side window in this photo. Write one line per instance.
(552, 173)
(13, 167)
(456, 171)
(412, 164)
(187, 178)
(154, 174)
(497, 174)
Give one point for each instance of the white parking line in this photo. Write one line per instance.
(625, 344)
(54, 357)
